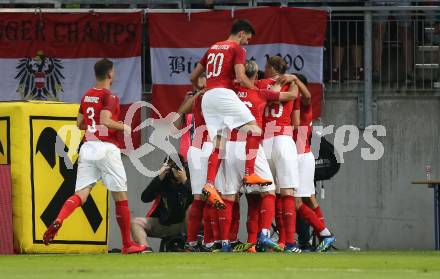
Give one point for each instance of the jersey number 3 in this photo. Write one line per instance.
(217, 62)
(90, 115)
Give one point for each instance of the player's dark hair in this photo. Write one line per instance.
(302, 78)
(260, 74)
(102, 68)
(278, 64)
(242, 25)
(251, 68)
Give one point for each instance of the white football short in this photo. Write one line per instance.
(282, 157)
(198, 166)
(222, 109)
(306, 164)
(101, 160)
(233, 167)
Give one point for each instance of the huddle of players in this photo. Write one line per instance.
(251, 137)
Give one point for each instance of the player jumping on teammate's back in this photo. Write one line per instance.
(100, 156)
(306, 162)
(224, 63)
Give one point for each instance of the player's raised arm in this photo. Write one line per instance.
(291, 94)
(301, 82)
(186, 107)
(296, 113)
(240, 74)
(196, 73)
(306, 96)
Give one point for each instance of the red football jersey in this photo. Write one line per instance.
(303, 136)
(201, 132)
(219, 61)
(92, 103)
(255, 100)
(278, 113)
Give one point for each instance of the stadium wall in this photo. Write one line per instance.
(368, 204)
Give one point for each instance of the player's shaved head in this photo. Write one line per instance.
(242, 25)
(278, 64)
(251, 68)
(102, 68)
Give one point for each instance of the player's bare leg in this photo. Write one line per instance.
(138, 231)
(69, 206)
(124, 220)
(209, 191)
(253, 132)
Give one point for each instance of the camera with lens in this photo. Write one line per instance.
(172, 164)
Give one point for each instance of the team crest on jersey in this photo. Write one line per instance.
(40, 77)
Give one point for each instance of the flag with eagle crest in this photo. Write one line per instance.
(40, 77)
(50, 56)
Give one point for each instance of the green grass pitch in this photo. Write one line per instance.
(221, 265)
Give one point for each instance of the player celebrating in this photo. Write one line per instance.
(306, 164)
(100, 156)
(234, 165)
(224, 63)
(198, 154)
(281, 153)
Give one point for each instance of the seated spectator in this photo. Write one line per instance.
(170, 193)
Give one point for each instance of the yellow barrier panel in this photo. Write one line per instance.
(40, 141)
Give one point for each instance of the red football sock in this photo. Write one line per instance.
(233, 234)
(123, 219)
(69, 206)
(207, 227)
(213, 165)
(267, 211)
(225, 220)
(213, 214)
(309, 215)
(253, 217)
(195, 219)
(319, 214)
(279, 220)
(289, 217)
(252, 145)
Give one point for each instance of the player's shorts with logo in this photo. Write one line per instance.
(198, 167)
(233, 169)
(282, 157)
(222, 109)
(101, 160)
(306, 167)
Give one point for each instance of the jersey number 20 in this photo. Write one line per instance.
(217, 62)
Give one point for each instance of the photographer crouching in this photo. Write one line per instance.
(171, 195)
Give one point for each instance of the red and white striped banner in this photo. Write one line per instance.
(179, 40)
(50, 56)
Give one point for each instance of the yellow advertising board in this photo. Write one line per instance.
(42, 142)
(5, 147)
